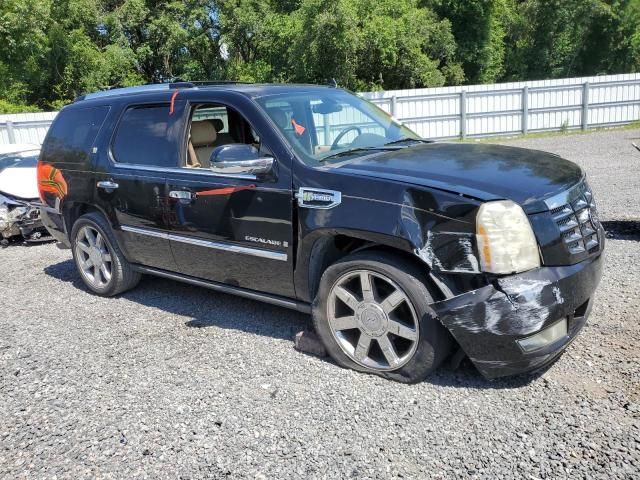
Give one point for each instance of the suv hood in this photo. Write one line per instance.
(486, 172)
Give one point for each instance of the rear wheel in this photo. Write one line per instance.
(101, 264)
(372, 313)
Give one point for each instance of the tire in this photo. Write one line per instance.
(418, 347)
(121, 276)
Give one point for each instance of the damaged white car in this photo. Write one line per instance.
(19, 213)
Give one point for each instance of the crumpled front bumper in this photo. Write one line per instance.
(487, 322)
(18, 217)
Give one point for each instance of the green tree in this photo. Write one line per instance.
(611, 44)
(54, 50)
(479, 28)
(561, 38)
(404, 46)
(23, 36)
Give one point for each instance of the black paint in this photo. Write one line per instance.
(420, 200)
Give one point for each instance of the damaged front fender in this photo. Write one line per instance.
(449, 252)
(445, 244)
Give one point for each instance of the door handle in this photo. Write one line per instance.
(107, 185)
(182, 195)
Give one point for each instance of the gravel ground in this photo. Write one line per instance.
(174, 381)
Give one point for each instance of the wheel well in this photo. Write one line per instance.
(329, 249)
(74, 211)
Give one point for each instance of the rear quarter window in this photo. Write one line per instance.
(143, 138)
(72, 135)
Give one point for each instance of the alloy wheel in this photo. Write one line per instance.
(93, 257)
(373, 320)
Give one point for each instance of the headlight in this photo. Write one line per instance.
(506, 242)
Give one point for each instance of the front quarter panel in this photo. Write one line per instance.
(437, 227)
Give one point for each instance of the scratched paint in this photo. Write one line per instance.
(427, 255)
(558, 294)
(467, 247)
(449, 252)
(528, 310)
(517, 307)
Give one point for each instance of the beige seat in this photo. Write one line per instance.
(222, 138)
(201, 144)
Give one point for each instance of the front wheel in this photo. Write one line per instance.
(372, 313)
(102, 266)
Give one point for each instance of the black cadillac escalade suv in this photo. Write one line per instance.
(312, 198)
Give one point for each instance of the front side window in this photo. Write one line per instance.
(331, 125)
(143, 137)
(212, 126)
(217, 114)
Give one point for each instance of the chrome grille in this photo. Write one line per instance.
(578, 223)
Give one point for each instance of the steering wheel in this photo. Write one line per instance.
(336, 142)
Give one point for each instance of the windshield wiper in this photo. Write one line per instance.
(359, 149)
(409, 139)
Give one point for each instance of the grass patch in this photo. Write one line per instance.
(631, 126)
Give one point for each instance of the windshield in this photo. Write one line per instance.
(332, 125)
(19, 160)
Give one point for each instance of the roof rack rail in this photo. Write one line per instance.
(181, 84)
(153, 87)
(124, 91)
(204, 83)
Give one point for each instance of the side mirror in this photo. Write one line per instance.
(240, 159)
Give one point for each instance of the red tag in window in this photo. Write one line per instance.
(298, 128)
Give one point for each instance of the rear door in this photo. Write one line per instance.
(131, 181)
(233, 229)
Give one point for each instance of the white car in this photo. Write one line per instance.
(17, 147)
(19, 214)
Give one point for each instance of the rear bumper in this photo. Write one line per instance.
(54, 223)
(488, 322)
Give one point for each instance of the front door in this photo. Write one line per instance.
(233, 229)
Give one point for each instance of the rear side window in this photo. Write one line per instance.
(72, 135)
(143, 138)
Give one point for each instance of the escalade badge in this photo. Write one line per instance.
(317, 198)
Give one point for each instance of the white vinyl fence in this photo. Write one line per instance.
(25, 127)
(461, 112)
(512, 108)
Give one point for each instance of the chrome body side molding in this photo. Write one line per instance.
(226, 247)
(189, 171)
